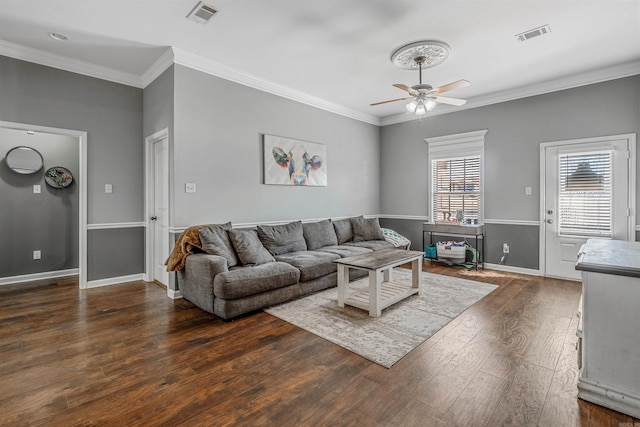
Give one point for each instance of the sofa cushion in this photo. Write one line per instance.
(241, 282)
(215, 241)
(366, 229)
(345, 250)
(312, 264)
(282, 239)
(249, 247)
(319, 234)
(344, 230)
(372, 244)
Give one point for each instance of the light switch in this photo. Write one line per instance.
(190, 187)
(108, 188)
(37, 189)
(527, 191)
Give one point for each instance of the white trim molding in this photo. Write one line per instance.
(208, 66)
(116, 225)
(405, 217)
(114, 280)
(66, 63)
(38, 276)
(510, 269)
(511, 222)
(563, 83)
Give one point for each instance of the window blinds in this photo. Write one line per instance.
(585, 196)
(456, 189)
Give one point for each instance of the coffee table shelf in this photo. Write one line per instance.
(390, 293)
(383, 291)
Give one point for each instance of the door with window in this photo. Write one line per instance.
(586, 195)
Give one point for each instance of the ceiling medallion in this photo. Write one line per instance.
(434, 53)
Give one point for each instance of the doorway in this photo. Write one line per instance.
(80, 180)
(588, 191)
(157, 207)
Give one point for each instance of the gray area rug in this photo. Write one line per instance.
(400, 329)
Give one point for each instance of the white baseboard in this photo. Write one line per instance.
(38, 276)
(609, 397)
(114, 280)
(510, 269)
(173, 294)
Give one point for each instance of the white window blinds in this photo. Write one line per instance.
(585, 199)
(456, 189)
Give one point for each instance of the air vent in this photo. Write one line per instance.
(202, 13)
(540, 31)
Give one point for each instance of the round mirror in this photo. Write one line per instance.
(24, 160)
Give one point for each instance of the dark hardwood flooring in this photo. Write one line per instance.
(127, 355)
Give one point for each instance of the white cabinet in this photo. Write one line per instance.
(610, 325)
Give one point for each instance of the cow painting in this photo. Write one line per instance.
(294, 162)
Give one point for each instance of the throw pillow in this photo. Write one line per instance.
(344, 230)
(215, 241)
(282, 239)
(319, 234)
(366, 229)
(249, 247)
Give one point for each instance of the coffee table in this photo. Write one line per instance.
(383, 290)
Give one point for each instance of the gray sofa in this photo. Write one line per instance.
(244, 270)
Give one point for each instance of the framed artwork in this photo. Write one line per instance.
(294, 162)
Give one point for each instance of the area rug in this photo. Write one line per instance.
(400, 329)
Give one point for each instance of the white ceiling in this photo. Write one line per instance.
(335, 53)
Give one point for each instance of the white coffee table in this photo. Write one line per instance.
(383, 290)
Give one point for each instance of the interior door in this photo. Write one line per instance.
(586, 196)
(160, 214)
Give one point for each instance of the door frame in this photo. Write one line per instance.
(80, 182)
(631, 196)
(149, 200)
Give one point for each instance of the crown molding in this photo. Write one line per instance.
(567, 82)
(217, 69)
(153, 72)
(60, 62)
(178, 56)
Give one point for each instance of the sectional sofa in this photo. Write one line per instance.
(237, 271)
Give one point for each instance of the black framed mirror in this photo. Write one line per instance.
(24, 160)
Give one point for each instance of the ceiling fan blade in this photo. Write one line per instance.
(451, 101)
(406, 88)
(391, 100)
(451, 86)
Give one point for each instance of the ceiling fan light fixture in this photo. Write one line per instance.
(411, 107)
(430, 104)
(421, 110)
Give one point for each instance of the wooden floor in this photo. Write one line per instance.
(127, 355)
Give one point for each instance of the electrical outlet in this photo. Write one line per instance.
(505, 248)
(36, 255)
(37, 189)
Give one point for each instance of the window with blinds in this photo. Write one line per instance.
(584, 196)
(456, 189)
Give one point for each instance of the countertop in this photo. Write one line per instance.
(616, 257)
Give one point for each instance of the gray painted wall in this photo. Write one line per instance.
(47, 221)
(217, 145)
(111, 114)
(121, 252)
(515, 131)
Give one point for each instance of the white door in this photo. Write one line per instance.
(160, 211)
(586, 195)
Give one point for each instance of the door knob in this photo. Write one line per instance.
(549, 211)
(550, 221)
(153, 218)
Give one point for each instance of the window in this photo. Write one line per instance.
(585, 196)
(456, 180)
(456, 189)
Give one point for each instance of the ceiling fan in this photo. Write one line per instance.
(424, 97)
